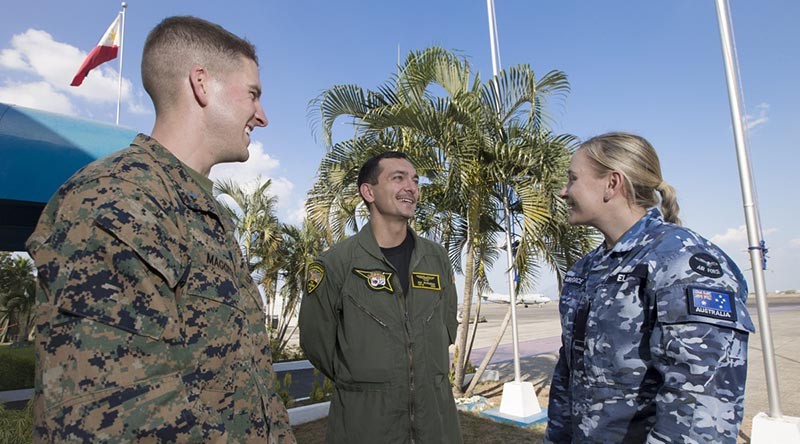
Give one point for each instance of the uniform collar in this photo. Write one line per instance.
(366, 238)
(633, 237)
(190, 191)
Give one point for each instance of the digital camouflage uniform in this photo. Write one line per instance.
(387, 354)
(149, 326)
(664, 349)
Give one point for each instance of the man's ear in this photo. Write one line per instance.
(366, 192)
(199, 79)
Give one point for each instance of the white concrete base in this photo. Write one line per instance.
(766, 430)
(519, 400)
(308, 413)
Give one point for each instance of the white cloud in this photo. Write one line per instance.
(39, 95)
(794, 243)
(298, 215)
(258, 168)
(735, 236)
(755, 121)
(36, 53)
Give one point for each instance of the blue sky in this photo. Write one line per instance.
(654, 68)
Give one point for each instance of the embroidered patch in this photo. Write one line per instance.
(574, 280)
(639, 272)
(315, 274)
(706, 265)
(426, 280)
(717, 304)
(376, 279)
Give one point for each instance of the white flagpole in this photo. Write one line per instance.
(121, 46)
(776, 427)
(518, 401)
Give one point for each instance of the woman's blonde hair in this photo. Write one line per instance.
(637, 161)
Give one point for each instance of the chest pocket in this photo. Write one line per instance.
(618, 327)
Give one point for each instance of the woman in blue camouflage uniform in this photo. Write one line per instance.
(654, 324)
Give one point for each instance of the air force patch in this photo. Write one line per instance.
(315, 274)
(376, 279)
(717, 304)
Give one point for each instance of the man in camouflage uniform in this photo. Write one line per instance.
(654, 325)
(149, 326)
(378, 316)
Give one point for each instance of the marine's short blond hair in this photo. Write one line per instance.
(178, 43)
(636, 159)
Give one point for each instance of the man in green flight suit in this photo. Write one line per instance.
(378, 317)
(149, 325)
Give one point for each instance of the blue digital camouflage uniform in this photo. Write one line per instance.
(386, 353)
(149, 327)
(662, 354)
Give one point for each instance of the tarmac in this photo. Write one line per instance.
(539, 340)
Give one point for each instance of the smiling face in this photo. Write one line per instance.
(396, 193)
(584, 192)
(236, 102)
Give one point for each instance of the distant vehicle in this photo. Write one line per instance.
(525, 299)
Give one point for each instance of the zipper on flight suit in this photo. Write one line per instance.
(410, 349)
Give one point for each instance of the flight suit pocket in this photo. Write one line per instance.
(436, 340)
(368, 348)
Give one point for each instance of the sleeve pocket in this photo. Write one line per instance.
(681, 304)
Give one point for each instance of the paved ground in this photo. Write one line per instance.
(539, 341)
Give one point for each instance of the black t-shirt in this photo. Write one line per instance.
(400, 258)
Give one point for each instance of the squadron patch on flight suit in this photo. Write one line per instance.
(426, 281)
(376, 279)
(315, 274)
(717, 304)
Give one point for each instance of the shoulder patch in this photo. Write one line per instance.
(705, 264)
(316, 272)
(376, 279)
(426, 281)
(711, 303)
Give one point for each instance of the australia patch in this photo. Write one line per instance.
(315, 274)
(426, 281)
(705, 264)
(717, 304)
(376, 279)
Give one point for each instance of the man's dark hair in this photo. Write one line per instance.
(371, 169)
(178, 43)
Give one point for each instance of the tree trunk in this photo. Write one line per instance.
(474, 331)
(488, 357)
(466, 308)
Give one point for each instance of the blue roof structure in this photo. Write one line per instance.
(39, 151)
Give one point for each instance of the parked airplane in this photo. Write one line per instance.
(525, 299)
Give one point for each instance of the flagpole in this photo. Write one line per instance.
(518, 402)
(121, 47)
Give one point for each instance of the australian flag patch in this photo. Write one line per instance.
(717, 304)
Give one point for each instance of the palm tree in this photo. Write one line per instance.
(17, 296)
(481, 148)
(298, 249)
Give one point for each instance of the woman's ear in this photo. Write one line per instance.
(614, 186)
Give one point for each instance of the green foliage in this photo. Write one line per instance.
(323, 392)
(287, 353)
(16, 426)
(16, 367)
(282, 389)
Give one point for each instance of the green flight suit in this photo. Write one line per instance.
(386, 353)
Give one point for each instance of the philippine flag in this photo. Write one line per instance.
(105, 50)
